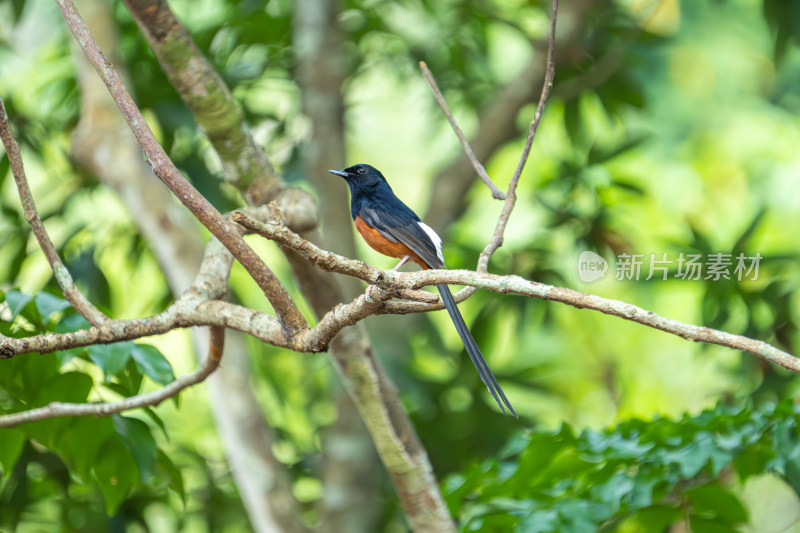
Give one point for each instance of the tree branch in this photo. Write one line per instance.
(189, 311)
(288, 313)
(391, 282)
(62, 275)
(511, 195)
(103, 143)
(58, 409)
(428, 75)
(407, 462)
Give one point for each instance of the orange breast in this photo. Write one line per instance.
(381, 244)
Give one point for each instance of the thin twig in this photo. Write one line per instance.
(511, 196)
(62, 275)
(426, 72)
(58, 409)
(164, 168)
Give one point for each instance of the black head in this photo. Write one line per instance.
(361, 176)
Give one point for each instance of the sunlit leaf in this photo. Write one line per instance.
(152, 363)
(111, 358)
(136, 436)
(116, 473)
(47, 304)
(11, 443)
(17, 302)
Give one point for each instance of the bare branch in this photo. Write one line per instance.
(207, 97)
(477, 165)
(392, 282)
(62, 275)
(511, 196)
(372, 393)
(496, 240)
(207, 214)
(58, 409)
(546, 88)
(191, 311)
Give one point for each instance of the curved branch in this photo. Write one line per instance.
(62, 275)
(188, 312)
(58, 409)
(165, 169)
(405, 459)
(428, 75)
(391, 282)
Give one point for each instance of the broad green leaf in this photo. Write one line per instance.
(116, 473)
(80, 442)
(650, 519)
(707, 525)
(12, 441)
(719, 502)
(70, 387)
(541, 521)
(136, 436)
(151, 414)
(613, 491)
(130, 381)
(47, 304)
(172, 473)
(70, 323)
(17, 301)
(111, 358)
(152, 363)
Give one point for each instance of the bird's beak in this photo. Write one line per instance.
(340, 173)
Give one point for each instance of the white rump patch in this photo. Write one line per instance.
(437, 241)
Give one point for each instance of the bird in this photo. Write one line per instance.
(391, 228)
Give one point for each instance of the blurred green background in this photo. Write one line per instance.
(673, 128)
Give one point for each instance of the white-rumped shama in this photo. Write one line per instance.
(390, 227)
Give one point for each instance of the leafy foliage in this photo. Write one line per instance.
(642, 475)
(115, 455)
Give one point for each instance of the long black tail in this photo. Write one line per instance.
(474, 352)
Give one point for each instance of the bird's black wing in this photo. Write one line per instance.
(399, 226)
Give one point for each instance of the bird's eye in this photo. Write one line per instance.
(362, 170)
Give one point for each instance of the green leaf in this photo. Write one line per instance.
(70, 323)
(719, 502)
(707, 525)
(151, 414)
(561, 482)
(111, 358)
(130, 381)
(172, 473)
(152, 363)
(656, 518)
(47, 304)
(613, 491)
(116, 473)
(80, 442)
(136, 436)
(71, 387)
(17, 301)
(12, 441)
(788, 444)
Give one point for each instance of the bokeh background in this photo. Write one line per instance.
(673, 128)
